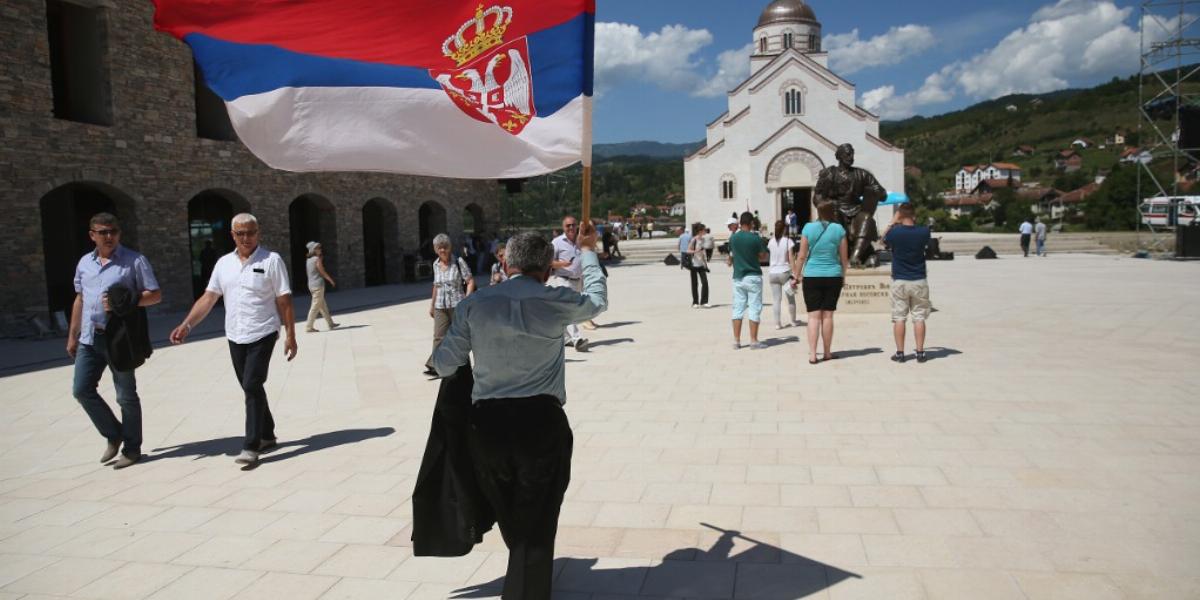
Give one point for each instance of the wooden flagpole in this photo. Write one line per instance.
(586, 159)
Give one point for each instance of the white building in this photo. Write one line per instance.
(783, 125)
(970, 176)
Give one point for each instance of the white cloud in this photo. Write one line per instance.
(849, 54)
(666, 58)
(1063, 43)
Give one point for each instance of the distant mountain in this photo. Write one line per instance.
(646, 149)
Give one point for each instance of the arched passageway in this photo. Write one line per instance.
(381, 251)
(209, 215)
(65, 213)
(473, 221)
(431, 220)
(312, 218)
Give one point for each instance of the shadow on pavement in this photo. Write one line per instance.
(231, 446)
(612, 342)
(939, 353)
(617, 324)
(857, 353)
(772, 342)
(761, 571)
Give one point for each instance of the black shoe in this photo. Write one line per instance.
(921, 356)
(899, 356)
(430, 372)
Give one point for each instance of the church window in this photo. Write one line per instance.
(78, 43)
(814, 43)
(787, 40)
(728, 187)
(793, 102)
(762, 45)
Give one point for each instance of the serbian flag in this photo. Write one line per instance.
(449, 88)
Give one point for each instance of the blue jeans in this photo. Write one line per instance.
(747, 298)
(1041, 246)
(90, 363)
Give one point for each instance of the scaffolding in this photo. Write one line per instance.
(1168, 104)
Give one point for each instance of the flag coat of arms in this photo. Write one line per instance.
(480, 89)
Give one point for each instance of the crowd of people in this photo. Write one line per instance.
(815, 265)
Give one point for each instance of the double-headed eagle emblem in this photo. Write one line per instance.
(492, 81)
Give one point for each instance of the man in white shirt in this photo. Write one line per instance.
(254, 282)
(567, 271)
(1026, 233)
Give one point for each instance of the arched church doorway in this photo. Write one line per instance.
(209, 215)
(381, 253)
(431, 220)
(792, 174)
(65, 213)
(312, 218)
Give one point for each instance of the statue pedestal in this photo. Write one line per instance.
(867, 291)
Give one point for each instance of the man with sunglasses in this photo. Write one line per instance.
(567, 271)
(108, 265)
(258, 298)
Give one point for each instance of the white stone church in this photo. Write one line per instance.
(782, 127)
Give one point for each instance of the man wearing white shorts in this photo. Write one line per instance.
(910, 285)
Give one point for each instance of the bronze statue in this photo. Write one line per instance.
(855, 194)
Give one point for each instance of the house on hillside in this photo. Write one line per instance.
(1056, 207)
(1068, 161)
(1024, 150)
(1116, 139)
(1036, 102)
(678, 209)
(969, 176)
(1136, 155)
(964, 205)
(1082, 143)
(1011, 108)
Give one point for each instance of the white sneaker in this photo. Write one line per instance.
(247, 457)
(695, 306)
(706, 305)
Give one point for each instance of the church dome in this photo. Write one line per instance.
(787, 11)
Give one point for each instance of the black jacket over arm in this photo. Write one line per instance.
(127, 334)
(450, 514)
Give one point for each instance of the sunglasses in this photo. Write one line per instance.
(106, 232)
(247, 233)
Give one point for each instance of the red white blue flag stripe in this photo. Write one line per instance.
(491, 89)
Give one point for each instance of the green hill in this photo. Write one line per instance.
(990, 131)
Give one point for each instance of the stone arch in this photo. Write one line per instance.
(312, 217)
(794, 167)
(210, 213)
(431, 220)
(382, 261)
(65, 212)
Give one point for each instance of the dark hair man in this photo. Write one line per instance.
(109, 265)
(258, 298)
(910, 286)
(519, 439)
(744, 247)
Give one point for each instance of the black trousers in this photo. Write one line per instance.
(1025, 243)
(522, 453)
(250, 362)
(702, 297)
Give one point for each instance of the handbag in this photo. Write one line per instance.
(686, 260)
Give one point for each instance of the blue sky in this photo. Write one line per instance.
(662, 65)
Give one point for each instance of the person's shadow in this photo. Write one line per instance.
(761, 572)
(231, 446)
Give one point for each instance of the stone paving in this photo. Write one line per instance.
(1051, 450)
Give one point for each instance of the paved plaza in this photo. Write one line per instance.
(1050, 450)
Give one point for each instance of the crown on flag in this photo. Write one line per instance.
(488, 33)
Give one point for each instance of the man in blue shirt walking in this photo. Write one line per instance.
(108, 265)
(519, 439)
(910, 286)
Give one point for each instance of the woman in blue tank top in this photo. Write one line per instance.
(821, 269)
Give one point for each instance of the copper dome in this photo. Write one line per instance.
(787, 11)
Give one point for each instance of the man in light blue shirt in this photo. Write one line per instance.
(520, 440)
(108, 265)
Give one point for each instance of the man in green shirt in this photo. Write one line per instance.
(744, 248)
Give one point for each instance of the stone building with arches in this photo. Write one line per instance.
(109, 115)
(783, 125)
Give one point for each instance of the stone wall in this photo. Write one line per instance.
(152, 157)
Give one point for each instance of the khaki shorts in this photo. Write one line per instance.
(910, 296)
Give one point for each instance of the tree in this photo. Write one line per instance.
(1114, 205)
